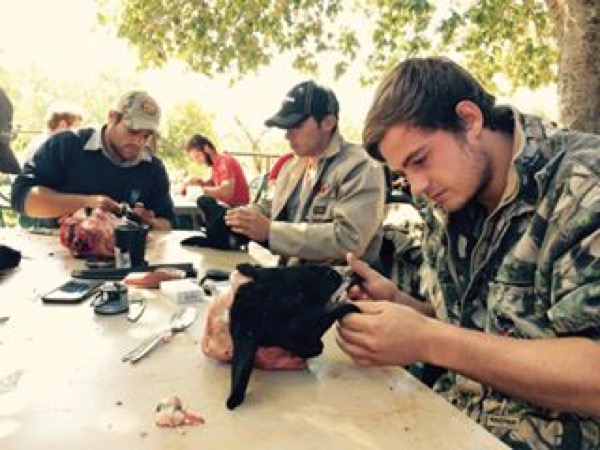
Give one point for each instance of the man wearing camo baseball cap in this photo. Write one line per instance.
(102, 168)
(139, 111)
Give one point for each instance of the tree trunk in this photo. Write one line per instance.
(577, 31)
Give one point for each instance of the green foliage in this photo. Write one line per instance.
(237, 37)
(492, 37)
(512, 38)
(33, 91)
(232, 37)
(182, 122)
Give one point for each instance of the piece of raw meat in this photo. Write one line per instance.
(154, 278)
(87, 233)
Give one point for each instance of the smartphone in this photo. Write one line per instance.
(73, 291)
(217, 274)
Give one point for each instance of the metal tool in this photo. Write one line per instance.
(136, 309)
(129, 214)
(349, 279)
(180, 320)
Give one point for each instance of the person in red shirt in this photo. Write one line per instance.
(274, 173)
(227, 183)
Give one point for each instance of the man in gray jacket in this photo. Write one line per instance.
(328, 200)
(8, 162)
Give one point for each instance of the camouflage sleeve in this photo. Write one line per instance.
(574, 249)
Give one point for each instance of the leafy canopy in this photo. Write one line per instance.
(182, 123)
(236, 37)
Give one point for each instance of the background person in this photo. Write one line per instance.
(8, 162)
(227, 182)
(512, 250)
(9, 257)
(328, 200)
(100, 168)
(62, 116)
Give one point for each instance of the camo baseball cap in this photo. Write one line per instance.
(304, 100)
(8, 162)
(139, 111)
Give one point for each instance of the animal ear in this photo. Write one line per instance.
(246, 325)
(244, 350)
(328, 316)
(335, 311)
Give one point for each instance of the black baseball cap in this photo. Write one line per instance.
(8, 162)
(304, 100)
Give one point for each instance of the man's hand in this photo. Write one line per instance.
(149, 217)
(249, 222)
(384, 333)
(192, 182)
(373, 285)
(103, 202)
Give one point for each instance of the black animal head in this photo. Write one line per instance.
(287, 307)
(216, 232)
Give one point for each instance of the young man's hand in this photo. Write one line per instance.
(149, 218)
(384, 333)
(249, 222)
(103, 202)
(373, 285)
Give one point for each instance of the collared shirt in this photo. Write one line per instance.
(226, 168)
(95, 143)
(308, 179)
(67, 162)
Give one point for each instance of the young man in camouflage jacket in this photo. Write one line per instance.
(513, 251)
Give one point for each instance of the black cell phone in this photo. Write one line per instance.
(217, 274)
(73, 291)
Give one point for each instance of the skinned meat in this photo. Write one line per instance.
(171, 413)
(153, 278)
(89, 235)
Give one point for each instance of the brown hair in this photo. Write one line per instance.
(57, 118)
(63, 111)
(197, 142)
(423, 92)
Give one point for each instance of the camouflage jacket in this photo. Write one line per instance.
(530, 269)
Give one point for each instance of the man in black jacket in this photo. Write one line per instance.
(100, 168)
